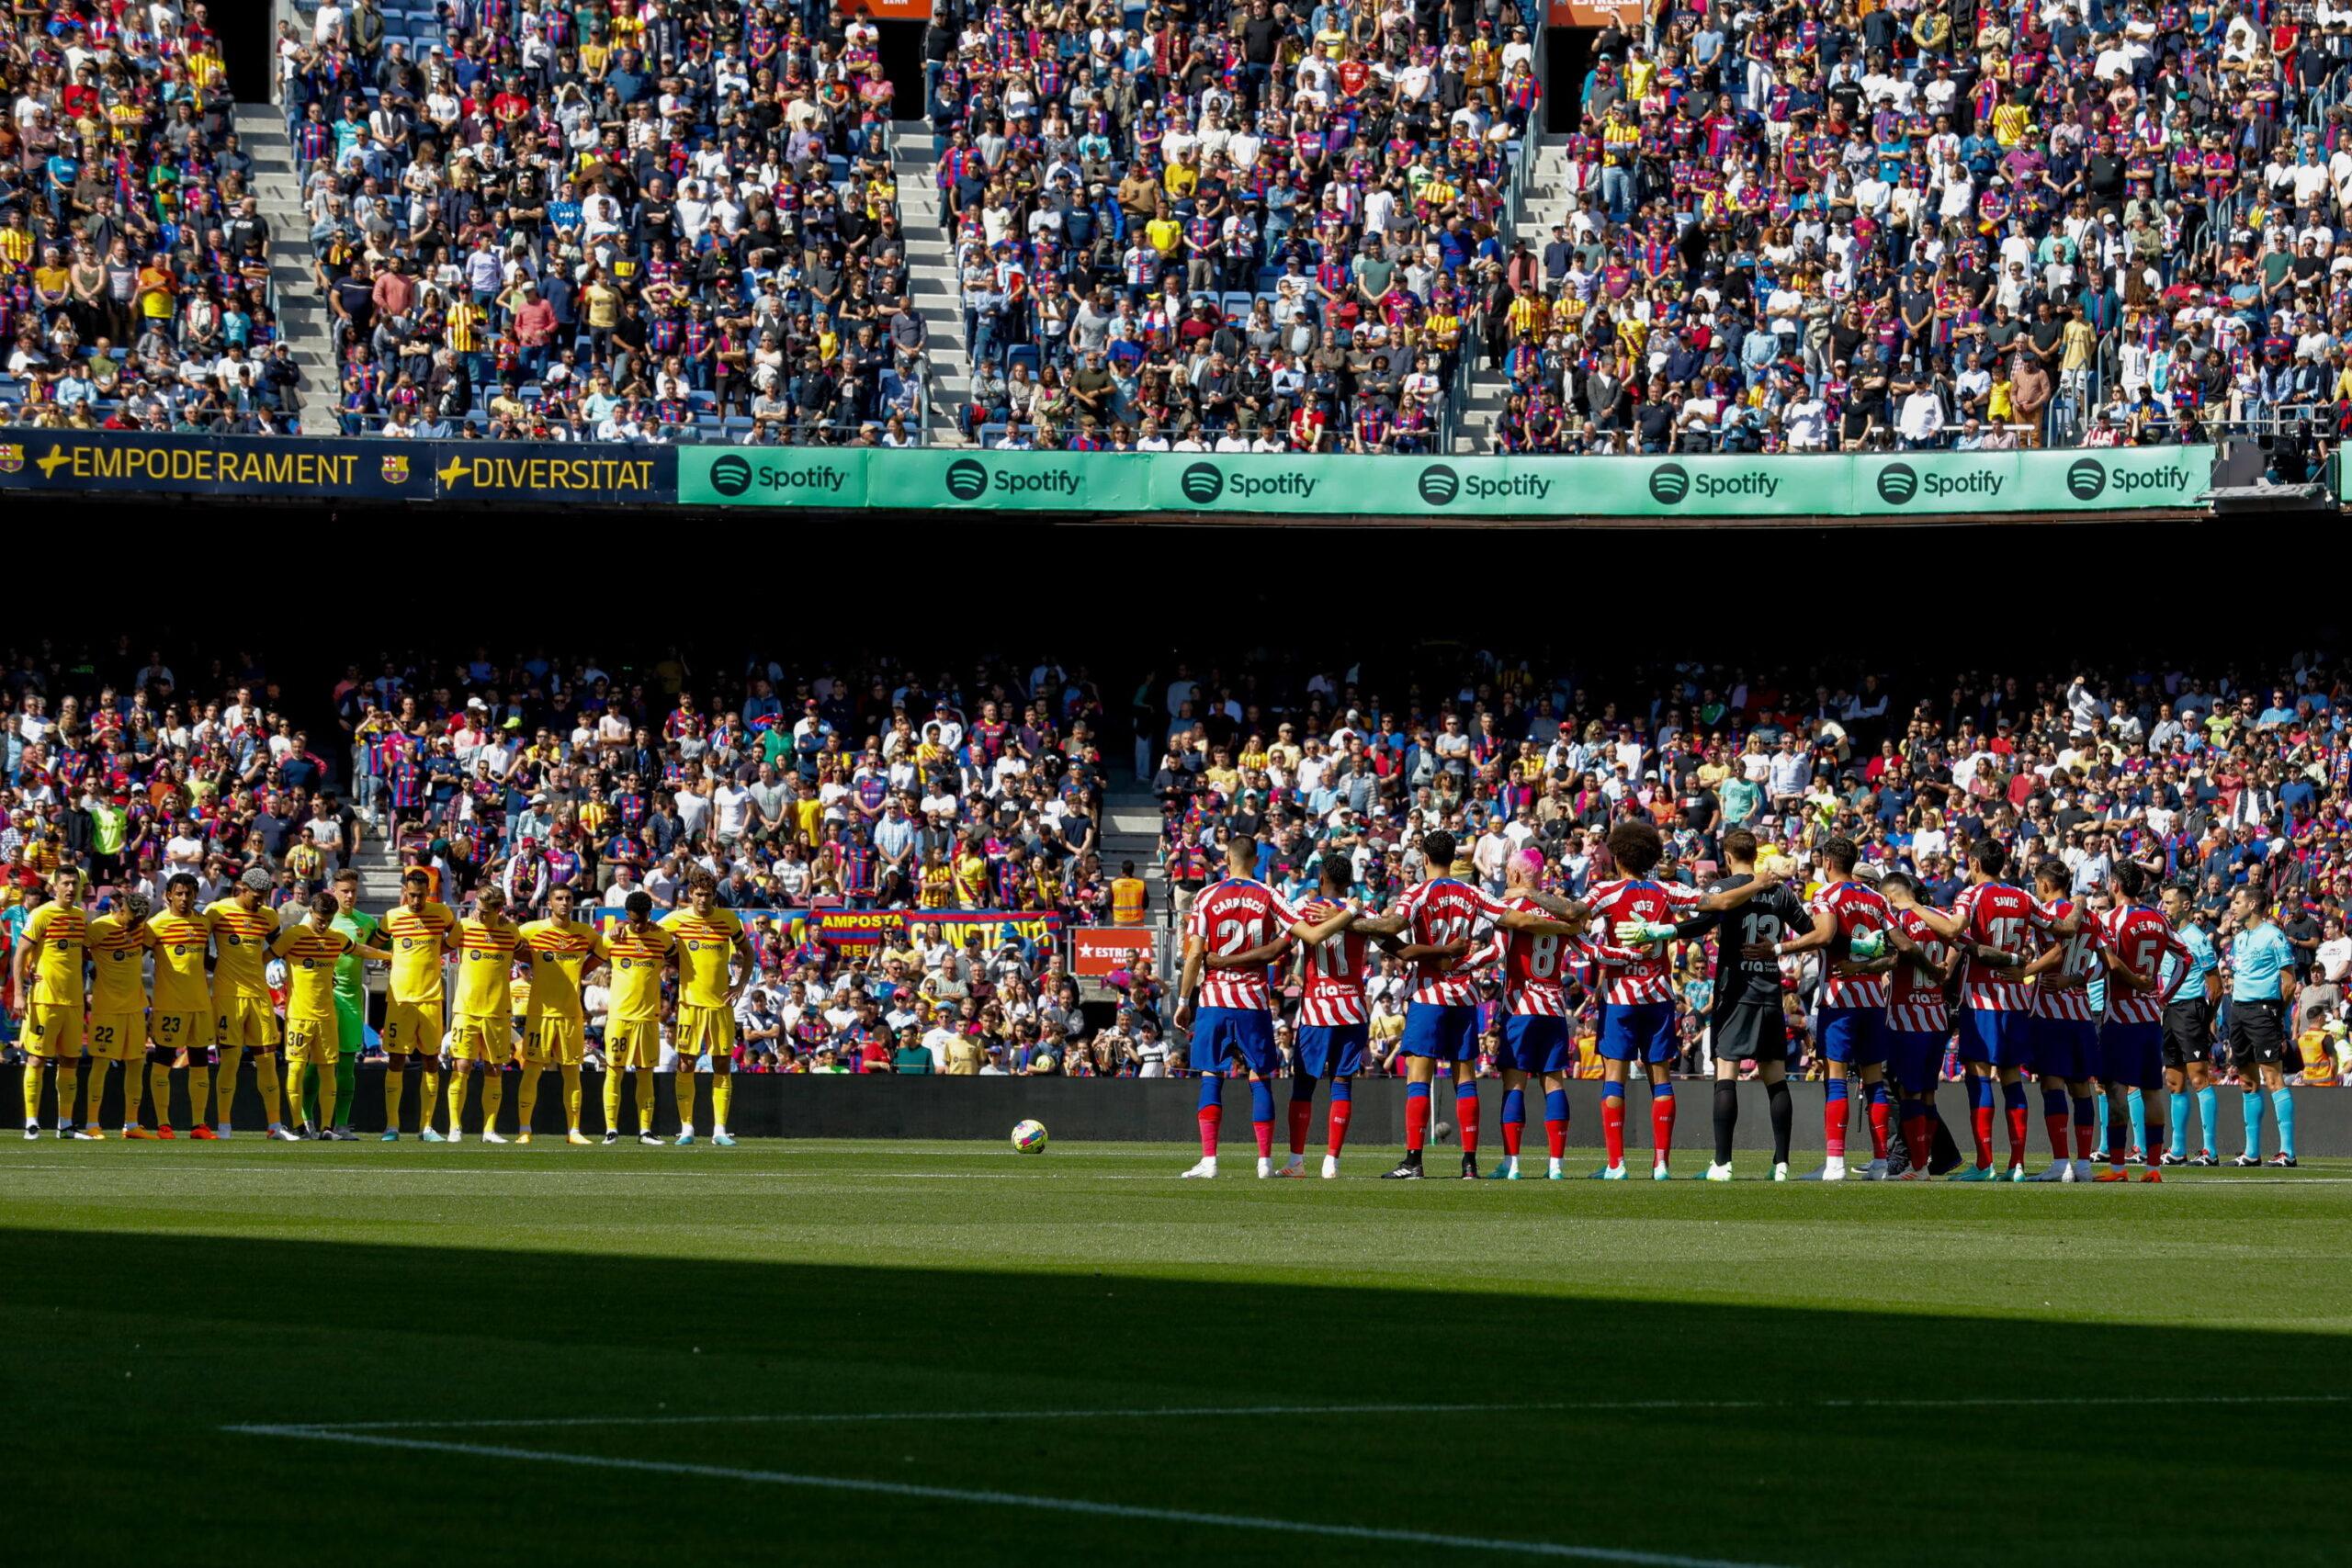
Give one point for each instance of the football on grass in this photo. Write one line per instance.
(1029, 1138)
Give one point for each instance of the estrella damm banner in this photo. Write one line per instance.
(555, 471)
(1645, 490)
(301, 467)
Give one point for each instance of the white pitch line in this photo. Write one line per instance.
(1204, 1412)
(1018, 1500)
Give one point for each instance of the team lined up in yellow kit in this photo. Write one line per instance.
(233, 937)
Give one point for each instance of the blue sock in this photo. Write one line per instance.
(2013, 1097)
(2054, 1103)
(2086, 1113)
(1211, 1090)
(1417, 1091)
(1980, 1093)
(2137, 1103)
(2282, 1106)
(1515, 1106)
(1261, 1101)
(1301, 1088)
(1662, 1091)
(1343, 1088)
(1613, 1092)
(2180, 1105)
(2208, 1117)
(1463, 1092)
(1556, 1105)
(2250, 1105)
(1878, 1093)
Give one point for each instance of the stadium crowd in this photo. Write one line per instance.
(134, 260)
(1240, 224)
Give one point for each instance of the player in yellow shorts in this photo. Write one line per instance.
(482, 1034)
(243, 1019)
(313, 1036)
(117, 943)
(419, 931)
(179, 1025)
(710, 937)
(561, 950)
(639, 952)
(49, 979)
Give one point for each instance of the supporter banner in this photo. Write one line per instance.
(1637, 489)
(1098, 950)
(213, 465)
(557, 471)
(863, 928)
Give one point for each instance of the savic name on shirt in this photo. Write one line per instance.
(1438, 913)
(1235, 916)
(1334, 969)
(1645, 978)
(2007, 921)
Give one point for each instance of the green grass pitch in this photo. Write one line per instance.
(950, 1353)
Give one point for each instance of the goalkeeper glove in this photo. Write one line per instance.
(1643, 933)
(1866, 946)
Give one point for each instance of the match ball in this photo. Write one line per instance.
(1029, 1138)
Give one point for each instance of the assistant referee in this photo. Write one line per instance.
(2262, 984)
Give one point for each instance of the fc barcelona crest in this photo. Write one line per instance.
(396, 470)
(12, 458)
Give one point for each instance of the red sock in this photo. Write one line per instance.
(1662, 1124)
(1881, 1116)
(2057, 1125)
(1301, 1111)
(1555, 1135)
(1918, 1143)
(1612, 1127)
(2087, 1142)
(1341, 1110)
(2018, 1136)
(1265, 1131)
(1981, 1120)
(1465, 1112)
(1511, 1132)
(1833, 1128)
(1212, 1117)
(1416, 1123)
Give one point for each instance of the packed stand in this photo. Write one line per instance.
(2208, 781)
(628, 221)
(1237, 227)
(1970, 228)
(134, 260)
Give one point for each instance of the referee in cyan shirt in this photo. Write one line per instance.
(2262, 981)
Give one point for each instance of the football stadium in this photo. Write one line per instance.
(996, 761)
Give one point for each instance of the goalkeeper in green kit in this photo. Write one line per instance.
(350, 1008)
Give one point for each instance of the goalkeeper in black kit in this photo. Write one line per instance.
(1746, 1022)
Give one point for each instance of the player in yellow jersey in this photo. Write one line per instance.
(710, 937)
(48, 985)
(312, 949)
(560, 949)
(179, 1026)
(243, 1019)
(481, 1033)
(117, 943)
(639, 951)
(419, 931)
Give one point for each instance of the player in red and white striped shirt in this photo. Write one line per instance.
(1445, 922)
(1235, 928)
(1917, 1023)
(2132, 1041)
(1637, 999)
(1334, 1024)
(2065, 1030)
(1535, 1029)
(1998, 928)
(1849, 922)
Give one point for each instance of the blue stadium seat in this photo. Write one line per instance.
(1238, 303)
(1023, 354)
